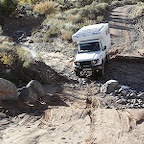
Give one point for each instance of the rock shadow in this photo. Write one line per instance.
(14, 108)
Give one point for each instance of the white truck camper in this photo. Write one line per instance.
(93, 49)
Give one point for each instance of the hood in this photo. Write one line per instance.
(88, 56)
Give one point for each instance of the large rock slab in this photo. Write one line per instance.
(8, 91)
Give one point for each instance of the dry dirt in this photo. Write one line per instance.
(70, 113)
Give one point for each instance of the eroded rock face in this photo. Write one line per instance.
(8, 91)
(37, 87)
(110, 86)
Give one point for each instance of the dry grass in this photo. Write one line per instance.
(75, 18)
(66, 35)
(47, 7)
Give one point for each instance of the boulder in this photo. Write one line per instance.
(123, 87)
(132, 95)
(110, 86)
(8, 91)
(141, 95)
(125, 92)
(36, 87)
(28, 95)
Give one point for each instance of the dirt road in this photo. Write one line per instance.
(127, 34)
(71, 125)
(127, 31)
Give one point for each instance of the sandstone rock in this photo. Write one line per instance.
(36, 87)
(110, 86)
(28, 95)
(8, 91)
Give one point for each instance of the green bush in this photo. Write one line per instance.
(7, 7)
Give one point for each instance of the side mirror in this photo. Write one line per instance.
(104, 48)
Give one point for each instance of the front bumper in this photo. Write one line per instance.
(87, 71)
(92, 68)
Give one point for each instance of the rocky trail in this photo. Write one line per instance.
(78, 111)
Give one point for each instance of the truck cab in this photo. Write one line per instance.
(93, 43)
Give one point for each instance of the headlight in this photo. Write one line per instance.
(94, 62)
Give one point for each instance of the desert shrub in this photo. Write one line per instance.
(94, 10)
(102, 7)
(66, 35)
(26, 64)
(105, 1)
(66, 5)
(116, 4)
(23, 55)
(46, 7)
(52, 32)
(74, 11)
(54, 28)
(7, 59)
(85, 2)
(75, 18)
(7, 7)
(7, 55)
(69, 26)
(100, 18)
(15, 65)
(61, 16)
(129, 1)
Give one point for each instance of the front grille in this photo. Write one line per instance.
(86, 64)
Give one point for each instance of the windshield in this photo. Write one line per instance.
(88, 47)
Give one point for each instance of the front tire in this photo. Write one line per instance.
(107, 58)
(101, 72)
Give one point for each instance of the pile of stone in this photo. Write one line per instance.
(124, 95)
